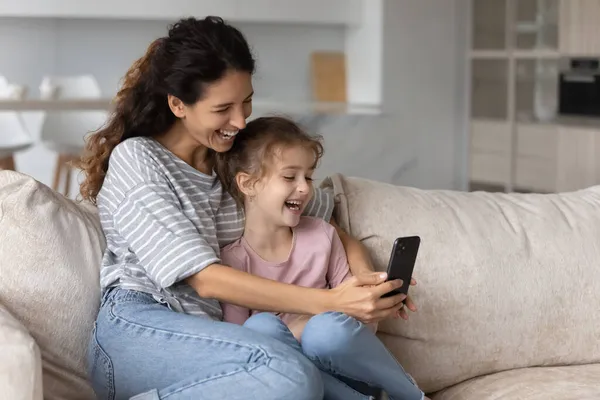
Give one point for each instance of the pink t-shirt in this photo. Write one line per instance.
(317, 260)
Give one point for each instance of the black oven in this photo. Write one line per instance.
(579, 87)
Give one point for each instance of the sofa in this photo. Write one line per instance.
(508, 288)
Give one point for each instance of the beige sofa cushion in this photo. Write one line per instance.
(49, 277)
(20, 362)
(504, 280)
(580, 382)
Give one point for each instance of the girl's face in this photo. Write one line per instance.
(215, 119)
(282, 194)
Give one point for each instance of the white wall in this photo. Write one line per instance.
(106, 48)
(419, 140)
(28, 49)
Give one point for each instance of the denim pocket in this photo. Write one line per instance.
(101, 371)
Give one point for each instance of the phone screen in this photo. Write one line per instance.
(402, 262)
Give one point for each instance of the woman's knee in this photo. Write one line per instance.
(309, 383)
(331, 333)
(306, 377)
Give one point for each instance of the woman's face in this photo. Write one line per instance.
(215, 119)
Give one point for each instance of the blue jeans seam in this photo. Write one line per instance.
(109, 375)
(336, 372)
(212, 378)
(184, 335)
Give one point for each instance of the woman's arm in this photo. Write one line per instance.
(230, 285)
(359, 296)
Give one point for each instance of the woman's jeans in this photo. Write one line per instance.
(345, 348)
(141, 349)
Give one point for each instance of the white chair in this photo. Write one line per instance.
(64, 132)
(14, 136)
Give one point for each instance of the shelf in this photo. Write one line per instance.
(537, 54)
(259, 106)
(489, 54)
(517, 54)
(267, 106)
(333, 12)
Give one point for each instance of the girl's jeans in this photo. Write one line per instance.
(345, 348)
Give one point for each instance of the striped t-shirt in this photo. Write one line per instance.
(164, 221)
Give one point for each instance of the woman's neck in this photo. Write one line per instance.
(179, 142)
(269, 241)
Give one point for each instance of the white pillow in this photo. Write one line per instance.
(20, 362)
(51, 249)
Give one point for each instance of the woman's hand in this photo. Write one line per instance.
(360, 297)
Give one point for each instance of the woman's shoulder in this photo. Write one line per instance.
(133, 162)
(137, 157)
(136, 149)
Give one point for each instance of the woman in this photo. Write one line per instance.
(158, 334)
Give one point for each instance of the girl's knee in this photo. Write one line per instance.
(330, 333)
(262, 319)
(264, 322)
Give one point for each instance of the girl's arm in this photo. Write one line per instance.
(357, 254)
(338, 270)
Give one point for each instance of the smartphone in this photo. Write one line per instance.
(402, 262)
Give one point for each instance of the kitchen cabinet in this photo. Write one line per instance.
(518, 140)
(548, 157)
(580, 27)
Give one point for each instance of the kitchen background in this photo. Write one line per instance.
(459, 94)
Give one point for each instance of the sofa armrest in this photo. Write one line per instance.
(20, 361)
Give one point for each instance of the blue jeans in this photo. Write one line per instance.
(143, 350)
(345, 348)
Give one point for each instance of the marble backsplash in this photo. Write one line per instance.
(375, 147)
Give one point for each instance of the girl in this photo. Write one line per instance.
(269, 171)
(158, 334)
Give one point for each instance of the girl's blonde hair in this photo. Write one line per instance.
(256, 145)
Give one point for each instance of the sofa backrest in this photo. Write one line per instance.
(504, 280)
(50, 252)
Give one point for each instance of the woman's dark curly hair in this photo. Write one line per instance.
(193, 54)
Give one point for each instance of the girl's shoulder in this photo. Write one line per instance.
(315, 226)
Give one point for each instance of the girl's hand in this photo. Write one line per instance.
(408, 303)
(360, 297)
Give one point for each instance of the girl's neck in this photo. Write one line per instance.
(179, 142)
(270, 242)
